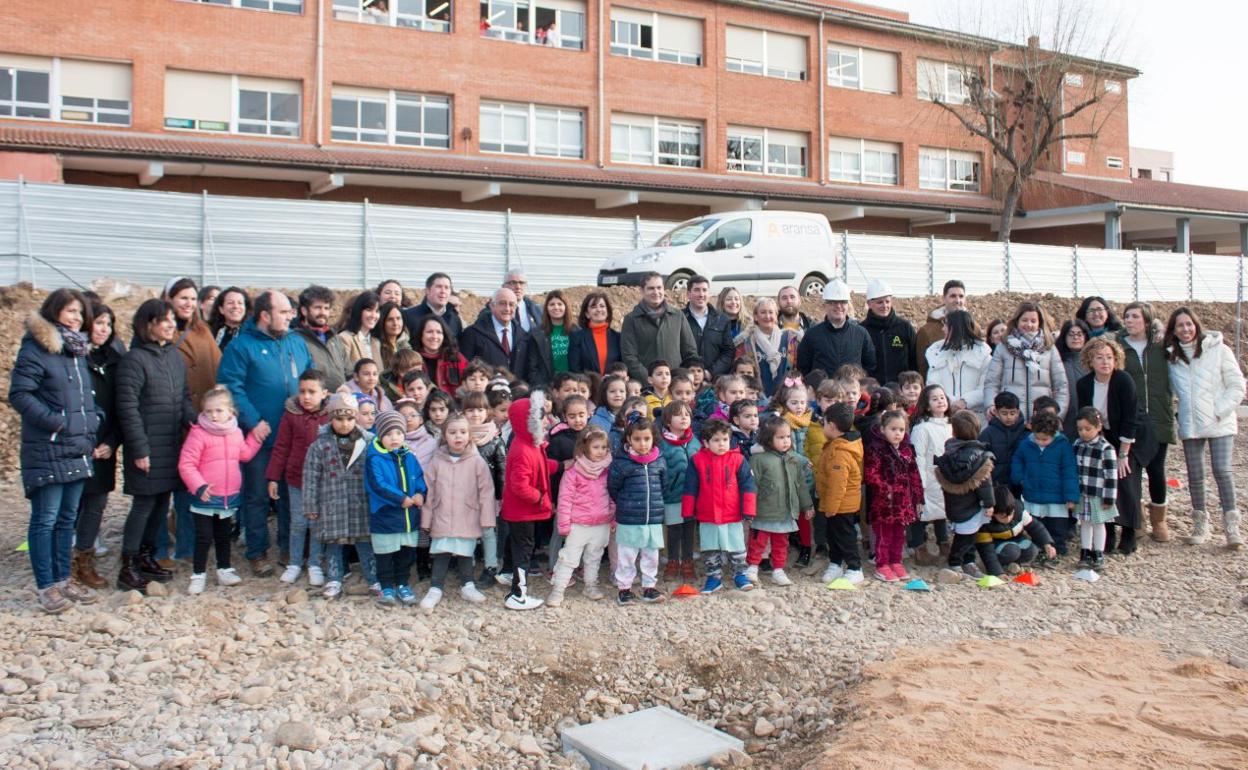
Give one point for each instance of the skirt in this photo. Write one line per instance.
(722, 537)
(457, 546)
(1091, 511)
(671, 514)
(971, 525)
(1047, 510)
(639, 536)
(389, 542)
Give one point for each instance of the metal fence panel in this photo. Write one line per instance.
(1108, 273)
(414, 242)
(10, 226)
(902, 262)
(1163, 276)
(1040, 269)
(978, 264)
(1214, 278)
(568, 253)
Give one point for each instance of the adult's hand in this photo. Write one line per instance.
(1124, 466)
(144, 464)
(102, 452)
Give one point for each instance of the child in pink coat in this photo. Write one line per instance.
(584, 516)
(211, 467)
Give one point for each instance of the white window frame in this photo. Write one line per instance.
(763, 68)
(51, 105)
(764, 165)
(391, 101)
(742, 164)
(257, 5)
(1076, 158)
(1113, 86)
(356, 11)
(951, 164)
(529, 35)
(1074, 79)
(95, 109)
(272, 128)
(868, 150)
(619, 47)
(639, 147)
(533, 114)
(233, 124)
(1112, 161)
(843, 52)
(654, 155)
(945, 69)
(679, 158)
(386, 131)
(55, 105)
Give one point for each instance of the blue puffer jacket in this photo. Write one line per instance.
(635, 483)
(261, 372)
(1048, 475)
(390, 476)
(51, 390)
(676, 456)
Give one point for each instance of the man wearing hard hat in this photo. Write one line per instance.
(838, 339)
(891, 335)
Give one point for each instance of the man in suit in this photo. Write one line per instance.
(437, 301)
(497, 338)
(709, 327)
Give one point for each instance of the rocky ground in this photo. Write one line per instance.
(264, 676)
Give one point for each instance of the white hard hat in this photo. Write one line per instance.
(836, 291)
(877, 288)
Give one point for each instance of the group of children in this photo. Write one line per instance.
(420, 478)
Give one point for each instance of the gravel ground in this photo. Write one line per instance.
(262, 675)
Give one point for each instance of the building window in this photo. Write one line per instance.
(391, 117)
(532, 129)
(427, 15)
(1074, 79)
(1075, 158)
(863, 161)
(271, 113)
(207, 101)
(941, 169)
(943, 82)
(88, 110)
(784, 151)
(656, 36)
(360, 119)
(862, 69)
(1112, 162)
(65, 89)
(759, 52)
(650, 140)
(25, 93)
(280, 6)
(1113, 87)
(421, 120)
(556, 23)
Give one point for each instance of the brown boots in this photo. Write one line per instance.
(82, 569)
(1157, 520)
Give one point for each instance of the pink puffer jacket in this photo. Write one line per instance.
(214, 458)
(583, 496)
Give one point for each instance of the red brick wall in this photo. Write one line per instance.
(31, 166)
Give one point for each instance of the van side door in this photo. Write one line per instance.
(730, 253)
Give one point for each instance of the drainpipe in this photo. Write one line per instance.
(320, 71)
(823, 133)
(602, 108)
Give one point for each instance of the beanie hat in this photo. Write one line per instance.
(387, 421)
(342, 403)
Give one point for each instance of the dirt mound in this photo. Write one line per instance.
(1062, 701)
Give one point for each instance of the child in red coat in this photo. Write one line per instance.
(895, 492)
(720, 493)
(305, 414)
(526, 491)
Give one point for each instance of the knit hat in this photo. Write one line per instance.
(342, 404)
(387, 421)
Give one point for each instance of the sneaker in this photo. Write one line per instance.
(593, 592)
(779, 578)
(470, 593)
(228, 577)
(625, 597)
(503, 578)
(1085, 559)
(77, 592)
(751, 572)
(517, 602)
(900, 572)
(765, 565)
(487, 577)
(198, 581)
(1098, 560)
(406, 595)
(387, 598)
(742, 582)
(885, 572)
(671, 570)
(833, 572)
(316, 576)
(260, 567)
(52, 601)
(374, 590)
(291, 574)
(973, 570)
(687, 572)
(652, 596)
(333, 589)
(432, 597)
(713, 584)
(854, 576)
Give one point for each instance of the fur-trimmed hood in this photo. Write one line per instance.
(292, 406)
(964, 466)
(528, 418)
(44, 333)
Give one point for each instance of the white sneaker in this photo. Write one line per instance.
(431, 599)
(291, 574)
(854, 576)
(751, 572)
(833, 572)
(100, 548)
(503, 578)
(333, 589)
(528, 602)
(316, 576)
(198, 581)
(228, 577)
(779, 578)
(470, 593)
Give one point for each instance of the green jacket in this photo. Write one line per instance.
(1152, 384)
(782, 490)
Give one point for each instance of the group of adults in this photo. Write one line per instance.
(84, 397)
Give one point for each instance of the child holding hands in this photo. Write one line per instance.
(783, 496)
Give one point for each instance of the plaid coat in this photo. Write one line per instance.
(1096, 464)
(335, 491)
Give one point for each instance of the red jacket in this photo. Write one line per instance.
(447, 375)
(526, 484)
(891, 475)
(295, 433)
(719, 489)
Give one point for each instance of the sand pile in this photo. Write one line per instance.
(1060, 701)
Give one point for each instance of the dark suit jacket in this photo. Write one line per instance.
(525, 361)
(583, 352)
(715, 345)
(413, 314)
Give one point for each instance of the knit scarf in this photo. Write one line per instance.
(675, 440)
(1029, 348)
(218, 428)
(797, 421)
(484, 433)
(647, 458)
(768, 347)
(590, 469)
(77, 343)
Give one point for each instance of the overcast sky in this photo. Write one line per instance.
(1190, 98)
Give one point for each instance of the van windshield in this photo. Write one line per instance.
(686, 233)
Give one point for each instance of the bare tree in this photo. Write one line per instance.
(1026, 101)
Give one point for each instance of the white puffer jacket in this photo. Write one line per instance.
(929, 439)
(960, 373)
(1209, 389)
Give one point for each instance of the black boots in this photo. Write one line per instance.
(130, 578)
(803, 557)
(149, 568)
(1126, 542)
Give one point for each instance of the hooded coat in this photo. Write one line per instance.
(154, 408)
(202, 357)
(1209, 389)
(295, 434)
(719, 489)
(931, 332)
(329, 360)
(262, 371)
(838, 481)
(1048, 475)
(583, 498)
(646, 337)
(635, 483)
(212, 457)
(526, 489)
(103, 362)
(390, 476)
(892, 478)
(783, 494)
(51, 389)
(1011, 373)
(461, 495)
(677, 453)
(1152, 383)
(333, 487)
(964, 473)
(960, 373)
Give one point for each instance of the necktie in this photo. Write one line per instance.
(506, 344)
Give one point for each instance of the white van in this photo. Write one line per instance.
(758, 252)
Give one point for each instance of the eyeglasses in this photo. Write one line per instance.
(516, 283)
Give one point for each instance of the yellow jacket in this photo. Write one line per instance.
(839, 476)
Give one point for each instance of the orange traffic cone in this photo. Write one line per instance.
(1027, 579)
(686, 590)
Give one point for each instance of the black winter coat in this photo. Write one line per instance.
(525, 361)
(965, 475)
(894, 341)
(51, 390)
(154, 408)
(828, 348)
(714, 341)
(103, 362)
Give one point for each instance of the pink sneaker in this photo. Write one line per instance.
(900, 571)
(885, 572)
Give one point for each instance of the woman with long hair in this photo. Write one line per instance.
(1146, 362)
(1070, 341)
(594, 346)
(1026, 364)
(229, 310)
(356, 338)
(392, 333)
(436, 345)
(557, 326)
(960, 363)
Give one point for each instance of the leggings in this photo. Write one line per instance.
(890, 538)
(1156, 470)
(916, 533)
(962, 548)
(143, 521)
(805, 532)
(680, 540)
(442, 565)
(1221, 452)
(395, 569)
(211, 532)
(90, 516)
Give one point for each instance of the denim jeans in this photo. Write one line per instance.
(301, 529)
(184, 546)
(336, 565)
(53, 513)
(255, 509)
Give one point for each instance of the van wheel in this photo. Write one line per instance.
(812, 286)
(679, 281)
